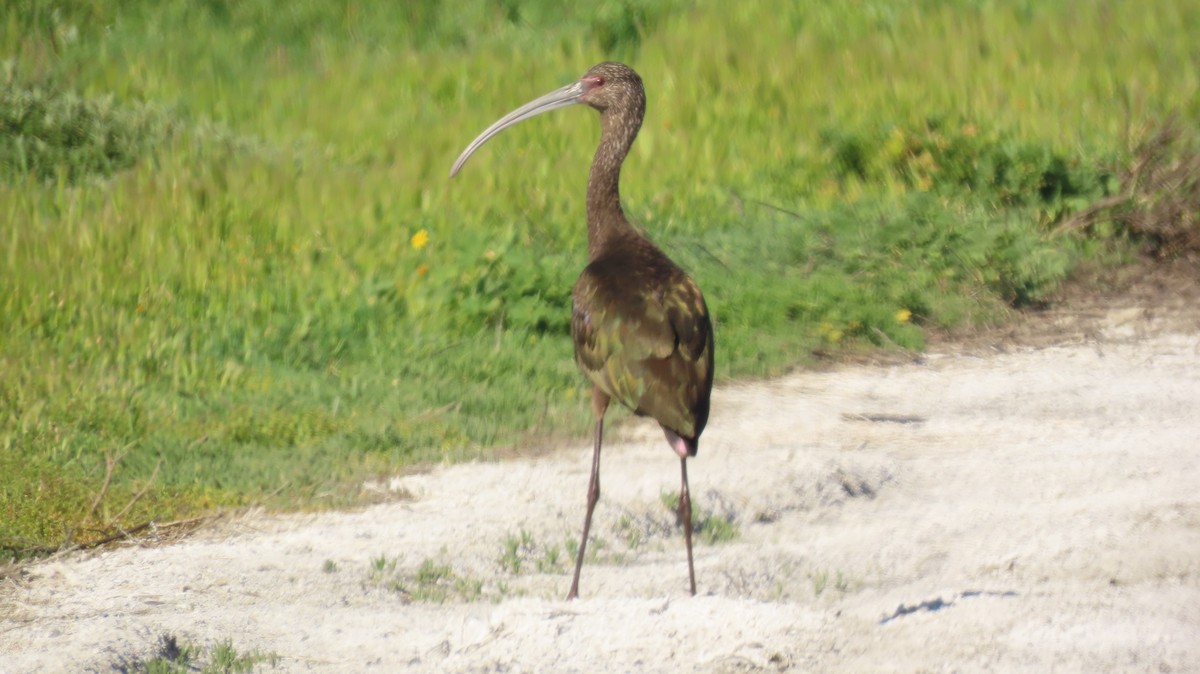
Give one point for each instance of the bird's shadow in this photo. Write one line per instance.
(937, 603)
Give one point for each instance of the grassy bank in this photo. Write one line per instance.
(232, 268)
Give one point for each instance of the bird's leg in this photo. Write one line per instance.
(599, 407)
(685, 514)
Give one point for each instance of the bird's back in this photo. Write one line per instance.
(643, 335)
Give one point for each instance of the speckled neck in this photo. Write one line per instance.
(606, 219)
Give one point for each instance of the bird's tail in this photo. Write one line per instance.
(684, 447)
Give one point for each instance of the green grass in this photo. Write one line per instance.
(208, 270)
(433, 581)
(172, 657)
(821, 582)
(709, 527)
(522, 553)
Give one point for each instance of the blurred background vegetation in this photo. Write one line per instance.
(233, 270)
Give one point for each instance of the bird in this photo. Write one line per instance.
(642, 331)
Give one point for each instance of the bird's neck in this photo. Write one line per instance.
(606, 218)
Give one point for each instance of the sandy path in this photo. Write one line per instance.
(1042, 515)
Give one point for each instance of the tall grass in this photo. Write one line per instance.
(211, 273)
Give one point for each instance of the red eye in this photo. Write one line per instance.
(594, 82)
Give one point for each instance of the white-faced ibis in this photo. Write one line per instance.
(641, 329)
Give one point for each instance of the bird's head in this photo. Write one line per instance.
(607, 87)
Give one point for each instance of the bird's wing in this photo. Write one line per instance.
(607, 323)
(649, 346)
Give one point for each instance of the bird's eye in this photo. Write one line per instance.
(594, 82)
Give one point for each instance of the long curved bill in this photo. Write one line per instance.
(559, 98)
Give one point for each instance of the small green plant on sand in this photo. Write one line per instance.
(709, 527)
(821, 580)
(521, 548)
(172, 657)
(433, 581)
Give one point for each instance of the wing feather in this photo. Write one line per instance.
(643, 335)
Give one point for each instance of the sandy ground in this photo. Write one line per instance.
(1033, 508)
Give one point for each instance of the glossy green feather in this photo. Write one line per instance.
(643, 335)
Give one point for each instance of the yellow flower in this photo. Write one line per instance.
(896, 144)
(903, 315)
(830, 333)
(419, 240)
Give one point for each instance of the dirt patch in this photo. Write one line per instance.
(1145, 298)
(1019, 499)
